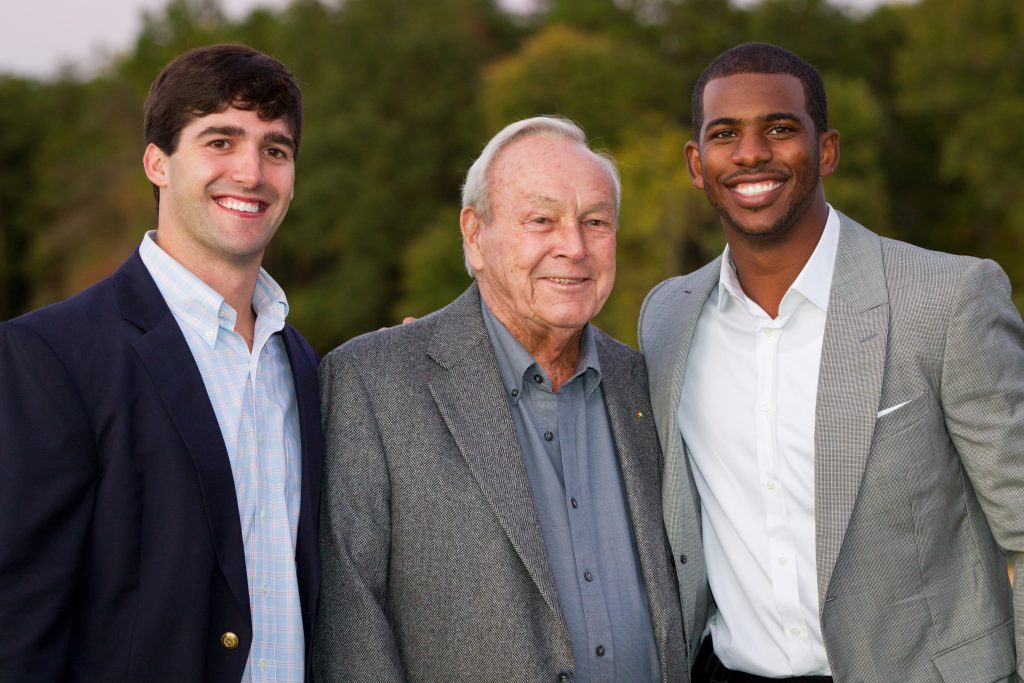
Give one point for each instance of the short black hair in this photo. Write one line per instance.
(763, 58)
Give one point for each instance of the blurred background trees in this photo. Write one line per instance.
(401, 95)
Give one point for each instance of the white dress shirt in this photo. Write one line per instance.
(747, 418)
(253, 396)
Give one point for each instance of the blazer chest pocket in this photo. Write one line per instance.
(896, 419)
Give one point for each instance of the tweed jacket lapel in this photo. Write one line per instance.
(630, 415)
(166, 355)
(470, 396)
(849, 388)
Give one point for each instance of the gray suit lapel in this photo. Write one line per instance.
(676, 317)
(629, 415)
(471, 399)
(849, 388)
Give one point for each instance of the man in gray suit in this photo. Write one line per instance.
(492, 506)
(842, 417)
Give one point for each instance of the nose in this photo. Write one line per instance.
(248, 167)
(571, 240)
(751, 150)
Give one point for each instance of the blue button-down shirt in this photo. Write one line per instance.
(577, 488)
(253, 397)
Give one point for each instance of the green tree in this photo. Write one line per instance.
(604, 84)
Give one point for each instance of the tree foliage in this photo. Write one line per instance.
(400, 96)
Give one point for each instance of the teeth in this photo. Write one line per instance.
(757, 188)
(239, 205)
(567, 280)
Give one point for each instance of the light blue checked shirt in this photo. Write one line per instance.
(253, 396)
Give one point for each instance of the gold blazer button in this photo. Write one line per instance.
(229, 640)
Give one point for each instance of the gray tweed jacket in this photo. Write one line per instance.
(911, 508)
(434, 562)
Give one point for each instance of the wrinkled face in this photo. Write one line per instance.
(758, 157)
(225, 189)
(545, 262)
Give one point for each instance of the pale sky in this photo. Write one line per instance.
(42, 35)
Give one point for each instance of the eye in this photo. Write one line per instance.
(722, 134)
(220, 144)
(779, 129)
(277, 153)
(540, 220)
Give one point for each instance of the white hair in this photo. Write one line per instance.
(476, 189)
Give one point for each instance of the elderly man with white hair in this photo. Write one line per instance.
(492, 497)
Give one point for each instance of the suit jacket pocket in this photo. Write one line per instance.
(986, 659)
(903, 417)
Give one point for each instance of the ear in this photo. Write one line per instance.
(828, 152)
(154, 160)
(470, 226)
(692, 152)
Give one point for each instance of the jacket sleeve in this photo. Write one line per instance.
(47, 486)
(354, 637)
(983, 400)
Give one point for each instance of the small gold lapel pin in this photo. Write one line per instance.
(639, 414)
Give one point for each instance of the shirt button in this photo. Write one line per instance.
(796, 631)
(548, 436)
(263, 515)
(538, 379)
(770, 485)
(210, 335)
(765, 407)
(563, 677)
(783, 561)
(769, 332)
(599, 651)
(514, 392)
(263, 665)
(264, 589)
(588, 576)
(574, 503)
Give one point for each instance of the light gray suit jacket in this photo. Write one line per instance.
(434, 562)
(911, 507)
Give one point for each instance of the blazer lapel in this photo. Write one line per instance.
(629, 415)
(676, 317)
(849, 388)
(471, 399)
(176, 379)
(303, 365)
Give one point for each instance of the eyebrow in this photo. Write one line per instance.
(764, 118)
(239, 132)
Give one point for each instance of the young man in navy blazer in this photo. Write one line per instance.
(160, 441)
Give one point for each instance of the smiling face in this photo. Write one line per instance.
(225, 189)
(545, 262)
(759, 159)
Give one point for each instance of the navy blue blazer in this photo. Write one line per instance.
(121, 552)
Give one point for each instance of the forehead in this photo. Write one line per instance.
(545, 162)
(232, 117)
(746, 96)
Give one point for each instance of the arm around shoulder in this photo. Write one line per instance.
(48, 461)
(354, 637)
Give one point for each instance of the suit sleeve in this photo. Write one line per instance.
(354, 638)
(47, 486)
(983, 400)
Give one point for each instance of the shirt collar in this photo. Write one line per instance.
(814, 282)
(198, 305)
(516, 365)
